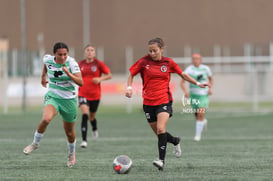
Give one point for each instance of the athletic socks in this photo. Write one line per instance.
(171, 139)
(199, 127)
(71, 147)
(94, 124)
(84, 126)
(162, 145)
(37, 137)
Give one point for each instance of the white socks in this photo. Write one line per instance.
(37, 137)
(71, 147)
(199, 127)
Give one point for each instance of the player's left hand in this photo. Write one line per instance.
(96, 80)
(210, 91)
(65, 69)
(204, 85)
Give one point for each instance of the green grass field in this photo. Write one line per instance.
(237, 146)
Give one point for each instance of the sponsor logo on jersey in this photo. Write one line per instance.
(163, 68)
(77, 68)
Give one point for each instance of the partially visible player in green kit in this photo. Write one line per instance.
(64, 77)
(199, 96)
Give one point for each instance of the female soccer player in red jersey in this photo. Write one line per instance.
(90, 93)
(157, 99)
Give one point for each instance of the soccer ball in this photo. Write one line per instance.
(122, 164)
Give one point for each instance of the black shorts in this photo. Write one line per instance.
(151, 112)
(93, 105)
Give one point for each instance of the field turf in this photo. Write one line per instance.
(236, 146)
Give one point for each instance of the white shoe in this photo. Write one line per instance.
(95, 135)
(159, 164)
(71, 159)
(30, 148)
(83, 144)
(177, 150)
(197, 138)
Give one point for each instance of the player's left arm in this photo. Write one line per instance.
(106, 73)
(76, 77)
(211, 84)
(75, 73)
(188, 78)
(97, 80)
(176, 69)
(209, 72)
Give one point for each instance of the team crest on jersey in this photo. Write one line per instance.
(163, 68)
(94, 68)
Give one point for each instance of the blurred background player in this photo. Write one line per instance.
(198, 96)
(64, 77)
(90, 93)
(157, 99)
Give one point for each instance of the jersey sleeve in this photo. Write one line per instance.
(104, 68)
(175, 67)
(46, 57)
(74, 66)
(187, 70)
(209, 71)
(136, 68)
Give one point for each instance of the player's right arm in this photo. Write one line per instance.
(43, 77)
(134, 69)
(129, 90)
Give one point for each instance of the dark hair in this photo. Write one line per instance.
(60, 45)
(159, 42)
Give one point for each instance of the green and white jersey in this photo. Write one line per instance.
(200, 74)
(60, 85)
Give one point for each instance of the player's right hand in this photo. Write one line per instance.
(44, 82)
(187, 94)
(129, 93)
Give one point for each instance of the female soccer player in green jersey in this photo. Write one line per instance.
(199, 97)
(64, 77)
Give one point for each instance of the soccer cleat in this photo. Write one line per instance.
(159, 164)
(197, 138)
(177, 149)
(95, 135)
(30, 148)
(83, 144)
(71, 159)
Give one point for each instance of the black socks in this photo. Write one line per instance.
(171, 139)
(94, 124)
(84, 126)
(162, 145)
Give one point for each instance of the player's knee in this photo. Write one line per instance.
(92, 116)
(45, 121)
(160, 131)
(69, 134)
